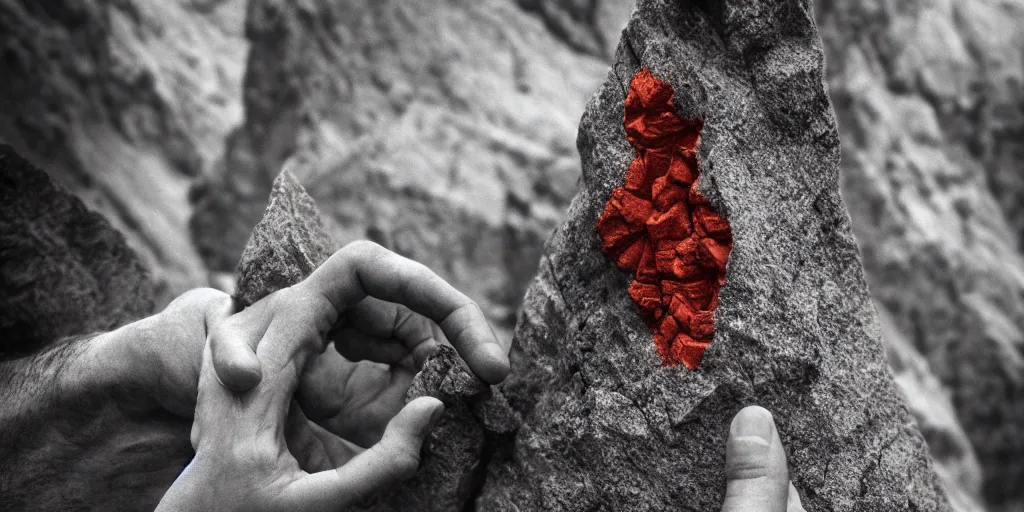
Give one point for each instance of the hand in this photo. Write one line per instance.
(359, 383)
(161, 355)
(757, 478)
(243, 459)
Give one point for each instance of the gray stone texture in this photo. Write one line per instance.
(123, 103)
(931, 110)
(449, 129)
(287, 245)
(605, 426)
(64, 270)
(477, 424)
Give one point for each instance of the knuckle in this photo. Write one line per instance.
(747, 460)
(743, 471)
(364, 248)
(197, 298)
(284, 297)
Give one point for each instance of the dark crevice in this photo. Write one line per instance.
(479, 477)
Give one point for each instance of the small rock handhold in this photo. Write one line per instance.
(286, 246)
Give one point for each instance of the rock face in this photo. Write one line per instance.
(286, 246)
(931, 111)
(63, 269)
(123, 103)
(441, 130)
(605, 425)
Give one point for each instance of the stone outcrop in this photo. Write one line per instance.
(477, 424)
(123, 103)
(64, 270)
(447, 132)
(604, 423)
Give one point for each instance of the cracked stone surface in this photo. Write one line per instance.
(122, 103)
(64, 270)
(604, 424)
(477, 423)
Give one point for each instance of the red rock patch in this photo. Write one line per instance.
(661, 227)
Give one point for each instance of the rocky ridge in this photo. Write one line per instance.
(795, 328)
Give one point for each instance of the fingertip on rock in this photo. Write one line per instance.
(495, 366)
(753, 421)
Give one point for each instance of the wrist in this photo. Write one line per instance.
(105, 364)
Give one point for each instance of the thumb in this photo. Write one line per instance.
(757, 479)
(233, 347)
(394, 459)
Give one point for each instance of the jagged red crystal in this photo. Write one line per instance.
(659, 226)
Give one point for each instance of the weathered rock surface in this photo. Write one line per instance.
(285, 247)
(441, 130)
(123, 102)
(930, 106)
(64, 270)
(477, 423)
(604, 424)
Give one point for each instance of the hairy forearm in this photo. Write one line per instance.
(77, 432)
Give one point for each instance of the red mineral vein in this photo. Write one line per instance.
(660, 226)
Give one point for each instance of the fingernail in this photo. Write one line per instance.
(495, 351)
(498, 372)
(435, 417)
(754, 422)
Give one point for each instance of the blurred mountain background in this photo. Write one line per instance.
(446, 132)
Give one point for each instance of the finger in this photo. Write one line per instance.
(353, 400)
(794, 504)
(233, 346)
(394, 459)
(364, 268)
(757, 479)
(382, 324)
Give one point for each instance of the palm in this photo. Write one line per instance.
(355, 398)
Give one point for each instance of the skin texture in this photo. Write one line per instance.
(243, 460)
(103, 421)
(757, 479)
